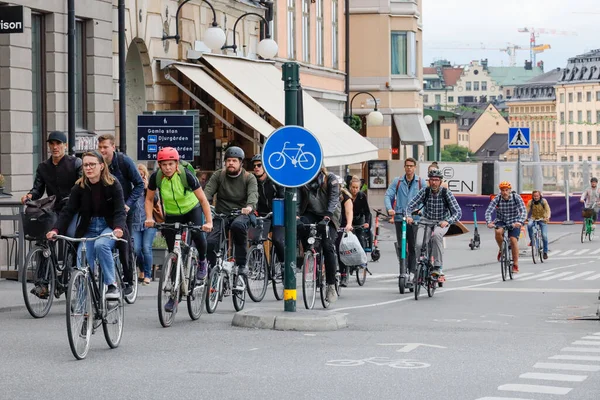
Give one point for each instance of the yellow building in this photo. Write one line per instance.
(476, 123)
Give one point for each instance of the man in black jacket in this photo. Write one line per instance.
(319, 202)
(57, 175)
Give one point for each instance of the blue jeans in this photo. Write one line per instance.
(100, 249)
(142, 245)
(544, 227)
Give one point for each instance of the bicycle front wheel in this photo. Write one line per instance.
(535, 254)
(80, 316)
(112, 324)
(257, 274)
(309, 277)
(276, 275)
(431, 284)
(213, 292)
(583, 230)
(417, 280)
(504, 261)
(167, 291)
(38, 281)
(361, 275)
(238, 292)
(195, 295)
(322, 281)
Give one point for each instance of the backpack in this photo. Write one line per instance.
(513, 197)
(39, 217)
(183, 165)
(222, 178)
(444, 194)
(398, 185)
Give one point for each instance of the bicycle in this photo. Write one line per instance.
(258, 275)
(476, 240)
(537, 244)
(44, 277)
(506, 261)
(178, 275)
(86, 300)
(304, 159)
(423, 272)
(313, 269)
(360, 270)
(587, 229)
(375, 253)
(224, 279)
(131, 297)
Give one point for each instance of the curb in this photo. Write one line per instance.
(301, 320)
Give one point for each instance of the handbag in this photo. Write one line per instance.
(157, 211)
(351, 252)
(39, 217)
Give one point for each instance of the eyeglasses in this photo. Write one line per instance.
(257, 166)
(90, 165)
(409, 166)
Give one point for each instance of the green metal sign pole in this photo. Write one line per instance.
(291, 79)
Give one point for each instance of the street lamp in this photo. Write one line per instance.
(267, 48)
(374, 118)
(214, 37)
(428, 119)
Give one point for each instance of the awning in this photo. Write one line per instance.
(412, 129)
(226, 98)
(261, 82)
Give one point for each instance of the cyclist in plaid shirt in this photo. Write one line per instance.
(510, 211)
(440, 206)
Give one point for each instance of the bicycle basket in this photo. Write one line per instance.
(587, 212)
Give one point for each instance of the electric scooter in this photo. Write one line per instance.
(476, 240)
(403, 283)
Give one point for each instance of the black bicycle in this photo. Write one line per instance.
(506, 261)
(257, 263)
(423, 274)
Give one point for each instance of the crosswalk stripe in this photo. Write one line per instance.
(458, 276)
(535, 389)
(501, 398)
(568, 252)
(551, 277)
(522, 274)
(586, 343)
(581, 349)
(591, 337)
(553, 377)
(595, 251)
(471, 277)
(487, 278)
(574, 358)
(554, 253)
(568, 367)
(580, 252)
(593, 277)
(537, 276)
(571, 278)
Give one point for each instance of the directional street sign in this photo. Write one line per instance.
(518, 138)
(158, 131)
(292, 156)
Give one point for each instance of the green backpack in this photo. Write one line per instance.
(183, 165)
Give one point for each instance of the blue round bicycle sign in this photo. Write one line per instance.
(292, 156)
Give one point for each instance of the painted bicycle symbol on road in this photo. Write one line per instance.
(304, 159)
(380, 361)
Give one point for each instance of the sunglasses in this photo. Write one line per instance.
(257, 166)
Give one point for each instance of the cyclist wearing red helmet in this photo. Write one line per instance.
(183, 201)
(510, 211)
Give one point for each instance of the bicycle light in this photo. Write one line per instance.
(311, 240)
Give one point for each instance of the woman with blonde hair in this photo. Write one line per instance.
(142, 235)
(98, 197)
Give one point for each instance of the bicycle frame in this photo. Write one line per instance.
(286, 149)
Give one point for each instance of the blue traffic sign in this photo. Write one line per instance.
(292, 156)
(158, 131)
(518, 138)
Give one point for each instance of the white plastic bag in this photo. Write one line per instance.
(351, 252)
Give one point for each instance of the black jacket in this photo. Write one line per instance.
(81, 201)
(328, 186)
(267, 191)
(56, 180)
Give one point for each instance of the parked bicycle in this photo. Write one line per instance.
(44, 276)
(224, 279)
(423, 273)
(178, 276)
(537, 244)
(506, 260)
(587, 229)
(87, 305)
(258, 266)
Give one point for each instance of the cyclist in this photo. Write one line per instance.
(440, 206)
(98, 198)
(402, 190)
(267, 191)
(510, 211)
(319, 202)
(183, 201)
(591, 199)
(57, 175)
(538, 208)
(235, 189)
(347, 216)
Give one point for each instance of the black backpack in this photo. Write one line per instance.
(443, 193)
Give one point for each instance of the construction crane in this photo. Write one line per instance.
(511, 49)
(534, 48)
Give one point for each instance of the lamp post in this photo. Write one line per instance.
(374, 118)
(267, 48)
(214, 37)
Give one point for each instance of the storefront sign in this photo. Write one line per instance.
(462, 178)
(378, 174)
(11, 19)
(85, 143)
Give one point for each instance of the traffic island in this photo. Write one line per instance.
(279, 320)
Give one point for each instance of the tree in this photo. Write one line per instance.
(455, 153)
(355, 123)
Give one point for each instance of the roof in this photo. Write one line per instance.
(548, 78)
(583, 68)
(439, 114)
(493, 148)
(429, 71)
(539, 88)
(513, 76)
(451, 75)
(472, 112)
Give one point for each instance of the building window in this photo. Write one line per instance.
(507, 92)
(570, 117)
(492, 98)
(590, 158)
(570, 137)
(465, 122)
(38, 86)
(597, 117)
(570, 97)
(580, 158)
(580, 116)
(450, 99)
(562, 118)
(399, 53)
(588, 96)
(562, 138)
(80, 76)
(571, 158)
(562, 98)
(580, 138)
(291, 29)
(425, 98)
(306, 30)
(598, 138)
(476, 85)
(589, 117)
(335, 57)
(589, 138)
(446, 133)
(438, 99)
(468, 86)
(319, 32)
(484, 87)
(597, 96)
(579, 97)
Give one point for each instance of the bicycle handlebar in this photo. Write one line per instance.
(268, 216)
(92, 239)
(176, 226)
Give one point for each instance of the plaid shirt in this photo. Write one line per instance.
(507, 211)
(435, 209)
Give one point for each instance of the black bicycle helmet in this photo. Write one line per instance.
(435, 173)
(594, 179)
(234, 152)
(257, 157)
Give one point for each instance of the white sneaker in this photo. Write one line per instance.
(331, 294)
(411, 277)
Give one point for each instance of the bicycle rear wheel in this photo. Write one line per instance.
(112, 324)
(431, 285)
(276, 274)
(417, 280)
(38, 283)
(258, 280)
(309, 279)
(238, 292)
(591, 232)
(322, 281)
(504, 261)
(79, 314)
(540, 246)
(584, 230)
(166, 290)
(213, 292)
(361, 275)
(195, 294)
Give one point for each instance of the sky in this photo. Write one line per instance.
(494, 23)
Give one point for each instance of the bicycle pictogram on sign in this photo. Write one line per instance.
(299, 158)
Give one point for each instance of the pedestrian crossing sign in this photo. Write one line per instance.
(518, 138)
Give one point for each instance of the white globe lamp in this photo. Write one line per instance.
(267, 48)
(375, 118)
(214, 38)
(428, 119)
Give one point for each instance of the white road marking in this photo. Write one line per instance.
(581, 349)
(591, 337)
(566, 253)
(526, 290)
(575, 358)
(572, 278)
(472, 277)
(501, 398)
(593, 277)
(557, 268)
(568, 367)
(553, 377)
(487, 278)
(536, 276)
(580, 252)
(595, 251)
(585, 343)
(554, 253)
(560, 274)
(515, 387)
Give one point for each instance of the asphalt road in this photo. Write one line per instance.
(477, 338)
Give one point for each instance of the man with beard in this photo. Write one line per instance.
(235, 189)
